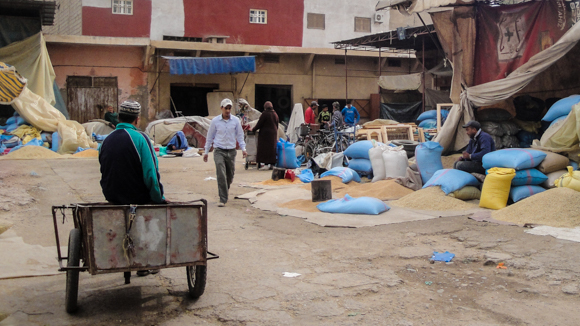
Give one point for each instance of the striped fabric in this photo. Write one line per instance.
(11, 83)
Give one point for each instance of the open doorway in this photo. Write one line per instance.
(279, 95)
(190, 100)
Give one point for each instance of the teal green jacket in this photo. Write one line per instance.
(129, 167)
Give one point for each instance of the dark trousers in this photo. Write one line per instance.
(469, 166)
(225, 167)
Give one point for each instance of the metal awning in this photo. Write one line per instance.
(405, 38)
(210, 66)
(44, 9)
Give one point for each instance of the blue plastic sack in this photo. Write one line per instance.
(428, 156)
(451, 180)
(528, 177)
(514, 158)
(562, 107)
(428, 124)
(432, 114)
(178, 141)
(20, 121)
(11, 141)
(558, 119)
(286, 155)
(346, 174)
(2, 148)
(442, 256)
(306, 176)
(361, 165)
(360, 149)
(12, 127)
(33, 142)
(54, 147)
(99, 137)
(350, 205)
(573, 164)
(522, 192)
(11, 120)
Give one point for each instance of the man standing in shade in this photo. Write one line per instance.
(480, 144)
(350, 114)
(223, 132)
(310, 114)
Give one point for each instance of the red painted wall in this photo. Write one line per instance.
(232, 18)
(102, 21)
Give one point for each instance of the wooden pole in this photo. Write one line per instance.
(345, 76)
(423, 78)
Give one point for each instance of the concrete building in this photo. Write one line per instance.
(122, 45)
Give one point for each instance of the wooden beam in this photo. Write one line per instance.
(308, 60)
(198, 53)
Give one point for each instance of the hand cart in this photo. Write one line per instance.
(251, 139)
(124, 238)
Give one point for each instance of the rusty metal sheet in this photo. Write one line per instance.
(108, 233)
(149, 234)
(187, 242)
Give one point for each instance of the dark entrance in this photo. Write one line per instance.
(190, 100)
(279, 95)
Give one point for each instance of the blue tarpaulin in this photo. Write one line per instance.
(209, 66)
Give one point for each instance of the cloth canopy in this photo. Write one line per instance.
(11, 83)
(401, 83)
(453, 137)
(210, 66)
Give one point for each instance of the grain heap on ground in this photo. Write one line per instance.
(448, 161)
(302, 204)
(432, 199)
(558, 207)
(383, 190)
(281, 182)
(30, 153)
(87, 153)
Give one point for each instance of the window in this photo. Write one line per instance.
(123, 7)
(315, 21)
(362, 24)
(258, 16)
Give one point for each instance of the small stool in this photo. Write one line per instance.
(321, 190)
(278, 174)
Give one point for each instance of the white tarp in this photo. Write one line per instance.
(401, 82)
(452, 136)
(161, 131)
(418, 5)
(296, 119)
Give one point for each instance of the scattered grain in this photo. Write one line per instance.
(30, 153)
(87, 153)
(433, 199)
(448, 161)
(383, 190)
(301, 204)
(281, 182)
(558, 207)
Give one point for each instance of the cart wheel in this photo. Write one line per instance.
(196, 280)
(247, 164)
(72, 276)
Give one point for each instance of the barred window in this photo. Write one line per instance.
(258, 16)
(123, 7)
(362, 24)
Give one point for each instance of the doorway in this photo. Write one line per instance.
(88, 97)
(279, 95)
(189, 100)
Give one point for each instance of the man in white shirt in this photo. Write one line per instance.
(223, 132)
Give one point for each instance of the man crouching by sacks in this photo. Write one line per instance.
(480, 144)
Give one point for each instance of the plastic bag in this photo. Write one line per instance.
(350, 205)
(428, 156)
(528, 177)
(396, 162)
(562, 107)
(509, 128)
(569, 180)
(286, 155)
(428, 124)
(306, 176)
(432, 114)
(360, 149)
(347, 175)
(493, 128)
(376, 158)
(361, 165)
(466, 193)
(514, 158)
(508, 141)
(521, 192)
(451, 180)
(496, 188)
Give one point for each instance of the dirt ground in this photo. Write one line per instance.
(349, 276)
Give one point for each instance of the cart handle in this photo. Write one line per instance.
(213, 256)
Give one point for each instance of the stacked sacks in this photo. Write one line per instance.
(561, 108)
(509, 139)
(494, 129)
(502, 166)
(359, 156)
(428, 119)
(388, 161)
(451, 180)
(526, 183)
(347, 175)
(428, 156)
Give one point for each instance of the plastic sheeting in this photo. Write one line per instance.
(210, 66)
(296, 119)
(31, 59)
(401, 112)
(161, 131)
(419, 5)
(401, 83)
(11, 83)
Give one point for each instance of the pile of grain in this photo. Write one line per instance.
(281, 182)
(448, 161)
(301, 204)
(433, 199)
(30, 153)
(87, 153)
(558, 207)
(383, 190)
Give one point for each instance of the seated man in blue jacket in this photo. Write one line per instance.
(480, 144)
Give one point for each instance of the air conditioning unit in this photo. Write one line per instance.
(379, 17)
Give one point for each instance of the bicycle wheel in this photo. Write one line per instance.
(309, 150)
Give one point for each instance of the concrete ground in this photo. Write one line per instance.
(373, 275)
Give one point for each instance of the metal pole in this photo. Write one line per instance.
(380, 67)
(423, 76)
(345, 76)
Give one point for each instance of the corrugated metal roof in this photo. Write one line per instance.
(43, 9)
